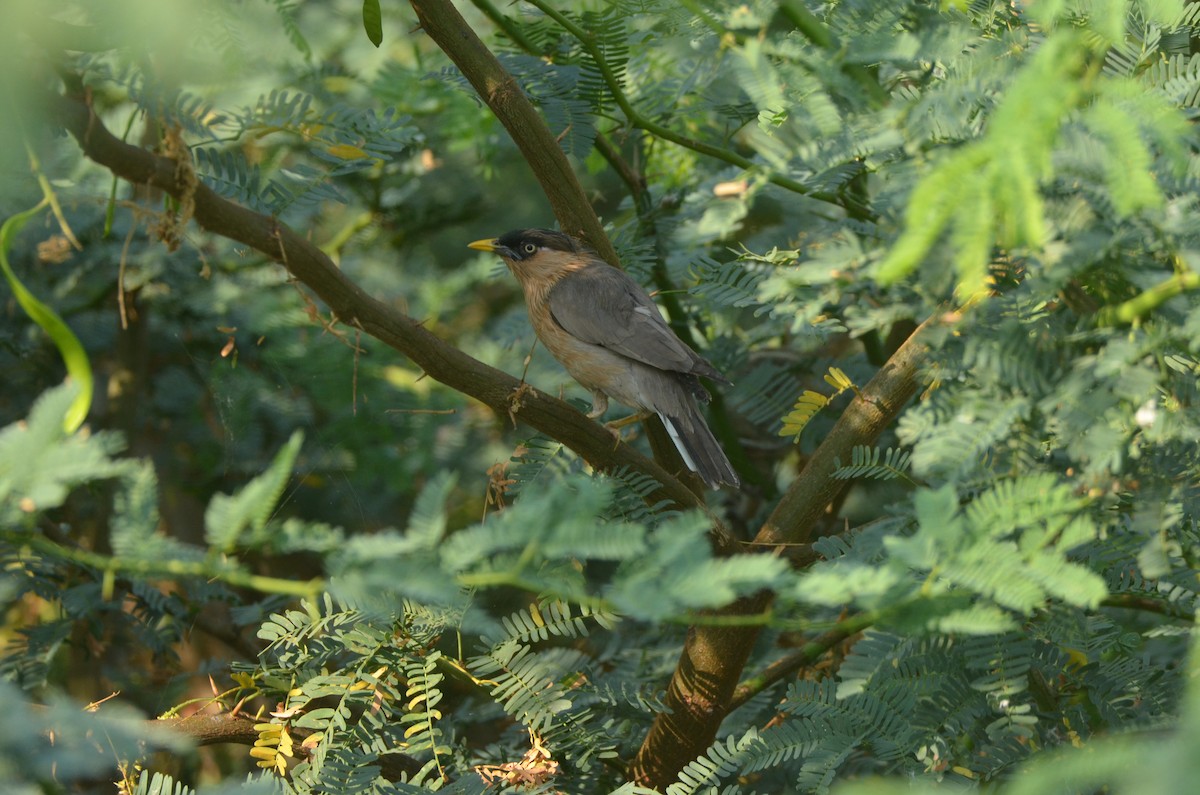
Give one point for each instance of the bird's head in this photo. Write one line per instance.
(536, 254)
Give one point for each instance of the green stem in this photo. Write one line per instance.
(807, 23)
(111, 565)
(809, 653)
(1136, 308)
(505, 24)
(340, 238)
(763, 618)
(508, 579)
(51, 197)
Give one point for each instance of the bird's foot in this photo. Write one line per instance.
(599, 405)
(615, 426)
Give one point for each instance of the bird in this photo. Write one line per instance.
(607, 332)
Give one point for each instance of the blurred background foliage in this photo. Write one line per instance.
(270, 511)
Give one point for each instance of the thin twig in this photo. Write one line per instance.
(121, 277)
(809, 653)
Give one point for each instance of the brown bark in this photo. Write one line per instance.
(703, 686)
(441, 21)
(225, 727)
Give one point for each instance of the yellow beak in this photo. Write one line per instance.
(487, 244)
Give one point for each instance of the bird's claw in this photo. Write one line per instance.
(616, 434)
(599, 406)
(615, 426)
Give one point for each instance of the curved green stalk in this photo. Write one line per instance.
(1146, 302)
(73, 354)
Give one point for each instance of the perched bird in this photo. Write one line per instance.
(610, 337)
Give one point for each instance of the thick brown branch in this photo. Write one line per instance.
(352, 306)
(702, 688)
(206, 729)
(442, 23)
(868, 415)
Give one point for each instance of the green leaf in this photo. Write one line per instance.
(1129, 163)
(40, 463)
(843, 582)
(79, 369)
(678, 573)
(941, 528)
(989, 190)
(373, 21)
(978, 619)
(229, 515)
(427, 523)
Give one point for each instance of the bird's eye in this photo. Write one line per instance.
(529, 248)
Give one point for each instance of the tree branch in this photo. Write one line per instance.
(111, 564)
(225, 727)
(440, 360)
(703, 686)
(441, 22)
(868, 415)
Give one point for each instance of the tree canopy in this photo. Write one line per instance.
(292, 501)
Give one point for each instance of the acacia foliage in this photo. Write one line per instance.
(1014, 567)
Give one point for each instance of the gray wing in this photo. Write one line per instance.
(602, 305)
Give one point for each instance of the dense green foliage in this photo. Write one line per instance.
(272, 514)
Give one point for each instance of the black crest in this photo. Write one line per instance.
(517, 243)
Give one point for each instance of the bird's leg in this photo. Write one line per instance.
(616, 425)
(599, 405)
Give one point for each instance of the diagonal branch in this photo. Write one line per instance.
(702, 689)
(216, 729)
(1147, 301)
(441, 21)
(351, 305)
(809, 653)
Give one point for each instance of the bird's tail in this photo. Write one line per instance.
(699, 448)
